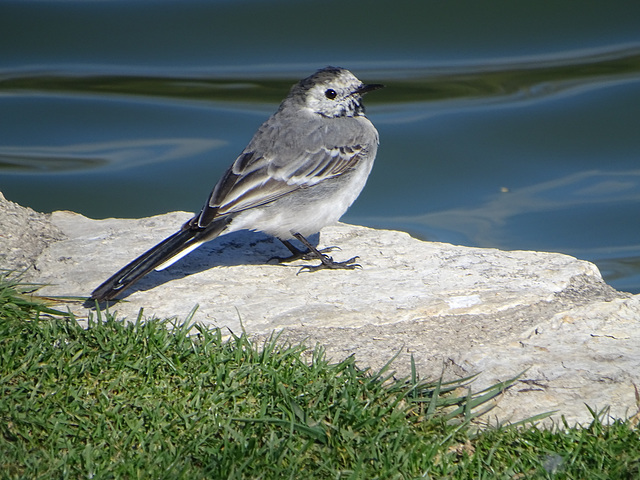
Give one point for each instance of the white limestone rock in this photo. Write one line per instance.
(24, 234)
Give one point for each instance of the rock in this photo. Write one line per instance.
(464, 310)
(590, 356)
(23, 236)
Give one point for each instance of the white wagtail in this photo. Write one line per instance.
(300, 172)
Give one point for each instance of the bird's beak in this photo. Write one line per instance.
(369, 87)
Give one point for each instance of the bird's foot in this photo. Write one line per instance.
(328, 262)
(297, 254)
(300, 255)
(313, 253)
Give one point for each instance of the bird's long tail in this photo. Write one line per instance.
(167, 252)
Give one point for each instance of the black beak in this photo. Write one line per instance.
(369, 87)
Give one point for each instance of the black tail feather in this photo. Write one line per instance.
(153, 258)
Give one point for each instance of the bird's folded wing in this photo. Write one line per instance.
(257, 180)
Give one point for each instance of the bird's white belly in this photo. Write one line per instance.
(305, 211)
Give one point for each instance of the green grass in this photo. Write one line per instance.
(159, 399)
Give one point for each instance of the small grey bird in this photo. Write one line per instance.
(301, 171)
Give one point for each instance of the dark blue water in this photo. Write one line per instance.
(504, 124)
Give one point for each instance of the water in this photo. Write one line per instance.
(510, 124)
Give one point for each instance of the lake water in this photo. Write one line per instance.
(504, 124)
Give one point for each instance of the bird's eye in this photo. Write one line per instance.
(330, 94)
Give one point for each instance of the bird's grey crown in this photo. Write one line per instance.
(324, 76)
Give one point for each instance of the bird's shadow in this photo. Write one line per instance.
(237, 248)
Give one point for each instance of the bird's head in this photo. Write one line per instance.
(332, 92)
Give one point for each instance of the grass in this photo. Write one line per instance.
(162, 399)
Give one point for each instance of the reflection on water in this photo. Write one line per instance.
(533, 78)
(489, 222)
(104, 155)
(20, 160)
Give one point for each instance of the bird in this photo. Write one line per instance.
(301, 171)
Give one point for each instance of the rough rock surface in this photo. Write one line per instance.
(458, 309)
(23, 236)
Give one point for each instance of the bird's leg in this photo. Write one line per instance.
(297, 254)
(327, 261)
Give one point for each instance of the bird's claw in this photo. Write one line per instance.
(327, 262)
(302, 256)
